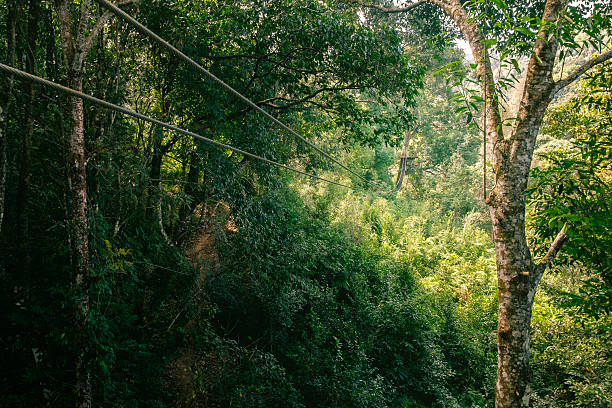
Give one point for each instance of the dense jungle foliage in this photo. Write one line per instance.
(220, 281)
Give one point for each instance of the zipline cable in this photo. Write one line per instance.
(125, 16)
(38, 80)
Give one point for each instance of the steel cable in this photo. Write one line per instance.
(125, 16)
(38, 80)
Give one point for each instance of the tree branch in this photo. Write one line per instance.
(552, 251)
(66, 38)
(473, 34)
(292, 102)
(87, 42)
(562, 83)
(389, 9)
(537, 91)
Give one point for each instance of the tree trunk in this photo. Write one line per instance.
(3, 147)
(193, 177)
(79, 227)
(515, 270)
(404, 161)
(157, 158)
(511, 156)
(75, 49)
(186, 211)
(402, 167)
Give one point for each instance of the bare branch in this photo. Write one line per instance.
(552, 251)
(389, 9)
(562, 83)
(292, 102)
(87, 42)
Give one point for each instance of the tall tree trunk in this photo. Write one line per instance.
(402, 167)
(193, 177)
(515, 269)
(517, 274)
(158, 152)
(75, 48)
(5, 101)
(510, 155)
(79, 227)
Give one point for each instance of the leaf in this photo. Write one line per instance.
(515, 63)
(490, 42)
(500, 4)
(526, 31)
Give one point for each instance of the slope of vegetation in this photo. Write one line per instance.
(215, 280)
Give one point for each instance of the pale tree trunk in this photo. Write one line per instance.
(511, 155)
(79, 228)
(75, 47)
(515, 297)
(517, 274)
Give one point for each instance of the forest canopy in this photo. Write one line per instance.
(429, 226)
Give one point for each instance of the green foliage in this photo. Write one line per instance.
(350, 322)
(219, 281)
(571, 349)
(572, 185)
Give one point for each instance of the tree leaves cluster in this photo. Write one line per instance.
(571, 184)
(150, 191)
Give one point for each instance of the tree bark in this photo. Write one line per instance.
(79, 227)
(511, 156)
(517, 274)
(157, 158)
(189, 189)
(75, 48)
(159, 149)
(515, 296)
